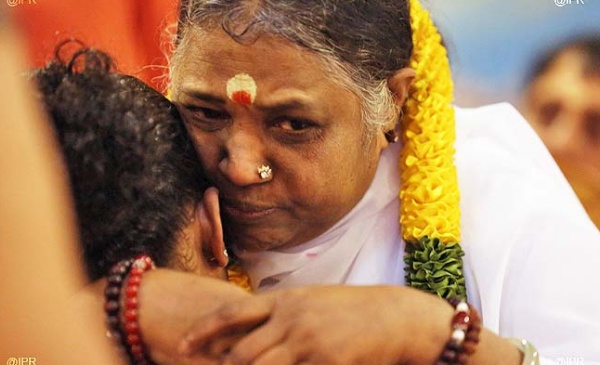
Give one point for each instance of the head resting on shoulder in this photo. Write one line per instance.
(134, 173)
(340, 75)
(329, 78)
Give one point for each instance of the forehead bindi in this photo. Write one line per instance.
(242, 89)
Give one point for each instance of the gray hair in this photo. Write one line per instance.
(361, 42)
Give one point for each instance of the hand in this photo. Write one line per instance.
(170, 302)
(328, 326)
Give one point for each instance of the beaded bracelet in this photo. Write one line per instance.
(124, 326)
(133, 338)
(112, 304)
(466, 325)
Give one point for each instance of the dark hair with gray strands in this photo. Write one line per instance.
(363, 42)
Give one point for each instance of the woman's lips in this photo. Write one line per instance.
(246, 213)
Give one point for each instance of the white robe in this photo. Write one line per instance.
(532, 262)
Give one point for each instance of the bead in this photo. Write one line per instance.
(461, 320)
(448, 355)
(137, 350)
(112, 306)
(134, 279)
(462, 307)
(112, 321)
(472, 336)
(466, 325)
(136, 271)
(112, 291)
(133, 339)
(131, 303)
(114, 279)
(131, 327)
(131, 290)
(123, 285)
(469, 347)
(131, 315)
(116, 336)
(458, 336)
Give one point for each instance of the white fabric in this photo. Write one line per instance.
(368, 233)
(532, 263)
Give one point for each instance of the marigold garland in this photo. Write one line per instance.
(236, 275)
(429, 193)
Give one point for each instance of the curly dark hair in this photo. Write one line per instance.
(133, 170)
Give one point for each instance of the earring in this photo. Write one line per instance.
(265, 172)
(392, 136)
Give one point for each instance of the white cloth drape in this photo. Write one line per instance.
(532, 263)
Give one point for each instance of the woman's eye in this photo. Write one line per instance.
(294, 125)
(207, 119)
(209, 113)
(297, 131)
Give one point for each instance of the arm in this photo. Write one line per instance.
(342, 325)
(170, 301)
(37, 235)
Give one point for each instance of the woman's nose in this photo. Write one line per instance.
(243, 157)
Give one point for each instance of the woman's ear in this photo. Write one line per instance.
(399, 84)
(212, 229)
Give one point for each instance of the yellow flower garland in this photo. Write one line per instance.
(429, 193)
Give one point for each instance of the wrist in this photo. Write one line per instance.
(428, 330)
(122, 304)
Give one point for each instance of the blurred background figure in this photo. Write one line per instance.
(562, 102)
(131, 31)
(492, 43)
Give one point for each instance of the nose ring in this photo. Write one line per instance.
(265, 172)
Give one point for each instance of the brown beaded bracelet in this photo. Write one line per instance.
(112, 303)
(466, 326)
(125, 276)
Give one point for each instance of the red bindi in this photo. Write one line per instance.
(242, 97)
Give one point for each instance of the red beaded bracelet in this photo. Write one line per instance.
(466, 325)
(123, 325)
(130, 324)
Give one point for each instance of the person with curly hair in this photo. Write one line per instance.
(137, 182)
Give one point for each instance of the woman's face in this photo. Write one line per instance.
(291, 117)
